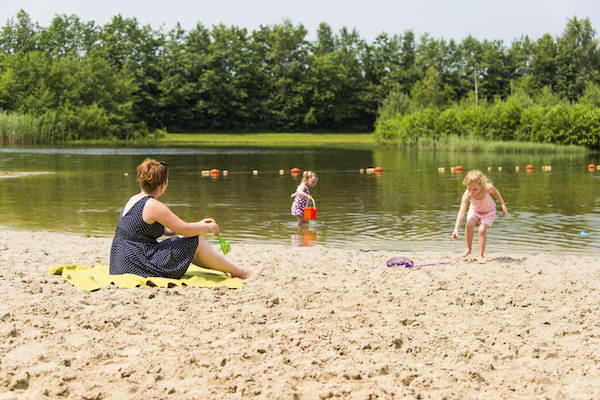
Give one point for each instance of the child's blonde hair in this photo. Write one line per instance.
(306, 175)
(477, 177)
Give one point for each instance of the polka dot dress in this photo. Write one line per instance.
(300, 203)
(135, 249)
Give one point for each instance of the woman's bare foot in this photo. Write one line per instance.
(250, 273)
(466, 253)
(481, 260)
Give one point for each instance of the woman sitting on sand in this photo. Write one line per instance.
(144, 218)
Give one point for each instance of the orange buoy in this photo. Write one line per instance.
(458, 168)
(378, 169)
(295, 170)
(214, 171)
(591, 167)
(529, 167)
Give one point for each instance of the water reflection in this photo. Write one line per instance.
(303, 236)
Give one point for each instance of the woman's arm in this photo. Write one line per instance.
(461, 214)
(496, 193)
(155, 211)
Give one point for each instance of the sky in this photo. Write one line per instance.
(504, 20)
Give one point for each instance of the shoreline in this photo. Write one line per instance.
(451, 252)
(320, 322)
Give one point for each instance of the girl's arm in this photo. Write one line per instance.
(496, 193)
(301, 192)
(304, 194)
(461, 214)
(155, 211)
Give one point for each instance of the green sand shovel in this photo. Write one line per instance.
(225, 247)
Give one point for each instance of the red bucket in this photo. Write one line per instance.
(310, 212)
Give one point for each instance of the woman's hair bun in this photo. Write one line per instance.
(151, 174)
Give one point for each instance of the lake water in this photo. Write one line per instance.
(410, 206)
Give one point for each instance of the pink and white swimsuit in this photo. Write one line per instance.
(483, 210)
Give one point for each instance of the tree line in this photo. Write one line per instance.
(75, 79)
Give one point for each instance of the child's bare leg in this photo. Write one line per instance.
(300, 221)
(206, 256)
(482, 239)
(469, 228)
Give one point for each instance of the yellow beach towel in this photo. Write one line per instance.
(86, 278)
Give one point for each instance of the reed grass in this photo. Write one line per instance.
(478, 145)
(19, 129)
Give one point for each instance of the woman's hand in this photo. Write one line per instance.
(504, 211)
(211, 225)
(455, 235)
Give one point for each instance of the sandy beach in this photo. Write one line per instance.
(319, 323)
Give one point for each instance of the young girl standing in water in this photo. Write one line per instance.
(482, 210)
(302, 195)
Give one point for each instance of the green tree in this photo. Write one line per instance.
(496, 74)
(20, 35)
(381, 63)
(544, 62)
(427, 92)
(226, 82)
(591, 95)
(471, 66)
(407, 73)
(577, 58)
(286, 65)
(518, 61)
(137, 50)
(184, 61)
(67, 35)
(325, 79)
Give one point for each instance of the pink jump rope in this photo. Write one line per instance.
(408, 263)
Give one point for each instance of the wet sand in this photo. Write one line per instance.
(319, 323)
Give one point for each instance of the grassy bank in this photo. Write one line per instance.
(362, 140)
(270, 139)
